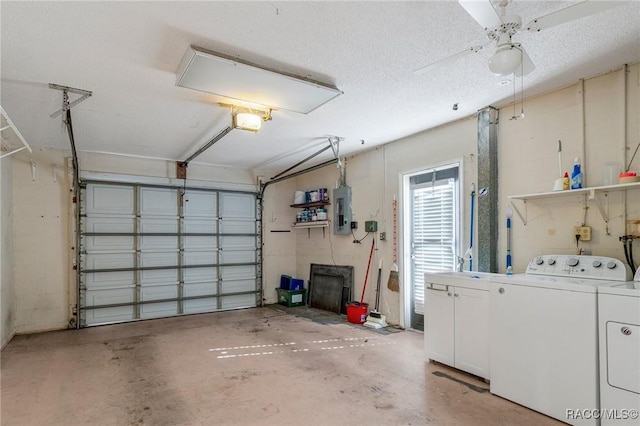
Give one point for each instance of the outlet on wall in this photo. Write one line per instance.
(583, 231)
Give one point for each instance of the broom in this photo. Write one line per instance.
(393, 283)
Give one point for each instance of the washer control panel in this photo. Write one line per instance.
(596, 267)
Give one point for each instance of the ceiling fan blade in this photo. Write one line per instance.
(449, 59)
(576, 11)
(483, 12)
(527, 66)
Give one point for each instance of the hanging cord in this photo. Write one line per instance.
(632, 157)
(358, 241)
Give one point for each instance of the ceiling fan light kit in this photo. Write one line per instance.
(505, 61)
(499, 27)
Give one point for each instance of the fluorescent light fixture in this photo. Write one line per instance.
(247, 121)
(228, 77)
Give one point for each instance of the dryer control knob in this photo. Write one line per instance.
(573, 261)
(551, 262)
(611, 265)
(539, 261)
(597, 264)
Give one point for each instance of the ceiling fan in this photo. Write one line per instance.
(500, 27)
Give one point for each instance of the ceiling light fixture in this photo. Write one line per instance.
(248, 119)
(238, 80)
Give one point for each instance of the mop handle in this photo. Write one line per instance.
(473, 197)
(378, 285)
(373, 242)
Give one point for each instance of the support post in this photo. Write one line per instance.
(488, 217)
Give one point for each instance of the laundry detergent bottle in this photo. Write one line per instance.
(576, 175)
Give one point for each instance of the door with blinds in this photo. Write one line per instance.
(149, 251)
(434, 213)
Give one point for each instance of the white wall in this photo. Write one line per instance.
(41, 246)
(528, 163)
(7, 296)
(375, 177)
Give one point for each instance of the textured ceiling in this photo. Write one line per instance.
(127, 54)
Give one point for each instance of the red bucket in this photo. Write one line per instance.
(357, 312)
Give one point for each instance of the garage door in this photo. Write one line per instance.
(152, 251)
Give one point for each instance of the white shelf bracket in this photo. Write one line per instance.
(515, 209)
(604, 214)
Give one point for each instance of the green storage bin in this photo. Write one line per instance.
(292, 298)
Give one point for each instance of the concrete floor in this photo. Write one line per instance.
(255, 366)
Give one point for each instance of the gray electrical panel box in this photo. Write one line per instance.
(342, 210)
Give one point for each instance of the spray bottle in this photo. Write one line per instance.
(576, 175)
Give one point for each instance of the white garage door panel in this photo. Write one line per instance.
(200, 257)
(158, 310)
(237, 226)
(109, 243)
(238, 286)
(109, 279)
(112, 208)
(200, 275)
(110, 297)
(150, 259)
(110, 315)
(158, 202)
(238, 301)
(200, 225)
(150, 225)
(200, 243)
(236, 242)
(159, 276)
(239, 206)
(159, 292)
(149, 243)
(238, 256)
(109, 223)
(237, 272)
(200, 204)
(108, 260)
(197, 306)
(200, 289)
(109, 199)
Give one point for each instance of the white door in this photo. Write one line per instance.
(149, 252)
(432, 203)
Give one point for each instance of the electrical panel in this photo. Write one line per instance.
(342, 210)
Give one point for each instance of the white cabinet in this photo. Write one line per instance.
(457, 324)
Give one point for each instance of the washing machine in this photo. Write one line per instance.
(543, 334)
(619, 320)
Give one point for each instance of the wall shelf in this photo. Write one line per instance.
(591, 191)
(312, 204)
(588, 193)
(313, 224)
